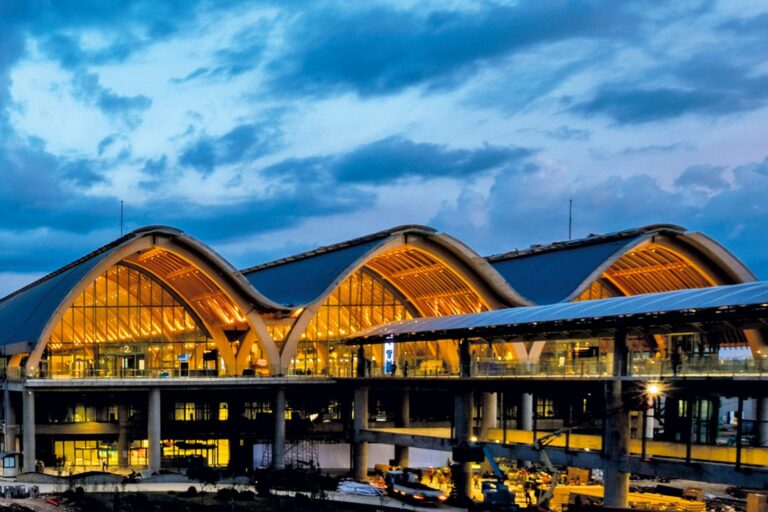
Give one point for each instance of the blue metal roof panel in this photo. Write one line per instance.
(24, 315)
(551, 276)
(755, 293)
(302, 281)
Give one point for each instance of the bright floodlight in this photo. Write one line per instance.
(653, 389)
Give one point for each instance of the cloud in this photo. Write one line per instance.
(245, 142)
(86, 88)
(658, 148)
(567, 133)
(704, 85)
(701, 199)
(44, 191)
(376, 51)
(242, 54)
(396, 158)
(707, 178)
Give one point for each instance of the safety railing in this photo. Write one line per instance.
(580, 368)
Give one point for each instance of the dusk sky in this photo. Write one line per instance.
(269, 128)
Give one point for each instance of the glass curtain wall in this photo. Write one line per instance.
(128, 324)
(362, 300)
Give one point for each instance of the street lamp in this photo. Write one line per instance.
(652, 390)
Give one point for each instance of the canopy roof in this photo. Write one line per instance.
(727, 305)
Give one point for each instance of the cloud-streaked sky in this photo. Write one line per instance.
(267, 128)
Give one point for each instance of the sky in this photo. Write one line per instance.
(270, 128)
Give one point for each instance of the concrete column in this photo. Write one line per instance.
(360, 448)
(462, 431)
(525, 412)
(762, 422)
(153, 430)
(490, 414)
(278, 442)
(465, 359)
(29, 453)
(402, 453)
(11, 426)
(123, 444)
(616, 437)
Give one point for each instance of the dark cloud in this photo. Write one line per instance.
(82, 173)
(125, 108)
(396, 158)
(703, 178)
(380, 51)
(246, 142)
(628, 105)
(708, 85)
(242, 54)
(156, 167)
(44, 191)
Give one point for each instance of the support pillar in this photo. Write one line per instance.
(762, 422)
(462, 431)
(278, 443)
(489, 418)
(402, 453)
(525, 412)
(360, 448)
(29, 453)
(153, 430)
(123, 444)
(11, 426)
(616, 436)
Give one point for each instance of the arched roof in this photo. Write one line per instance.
(540, 275)
(25, 313)
(558, 272)
(307, 278)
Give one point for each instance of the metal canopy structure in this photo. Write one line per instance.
(722, 307)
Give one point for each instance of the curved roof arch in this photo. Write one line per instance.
(306, 279)
(560, 272)
(29, 313)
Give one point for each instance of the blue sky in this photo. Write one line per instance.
(267, 128)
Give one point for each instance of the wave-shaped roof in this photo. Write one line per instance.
(552, 273)
(539, 275)
(302, 279)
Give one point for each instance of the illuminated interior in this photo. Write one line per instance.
(401, 284)
(128, 323)
(649, 269)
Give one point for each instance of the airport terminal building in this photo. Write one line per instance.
(154, 349)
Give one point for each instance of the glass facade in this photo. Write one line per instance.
(362, 300)
(183, 452)
(127, 323)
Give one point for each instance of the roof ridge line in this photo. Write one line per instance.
(339, 245)
(586, 241)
